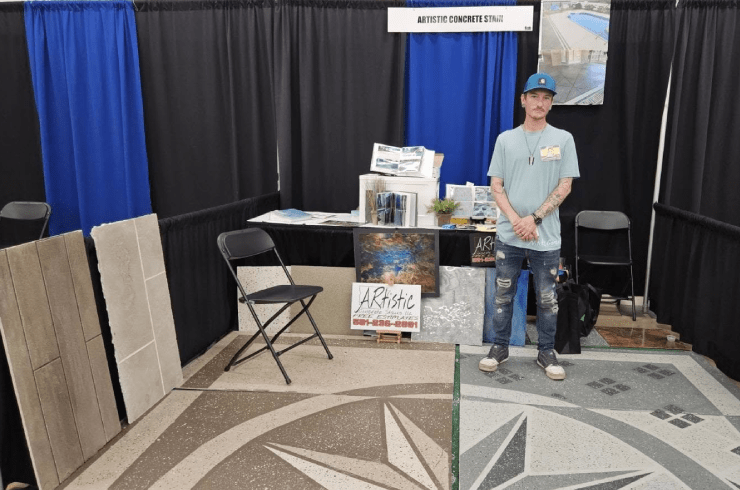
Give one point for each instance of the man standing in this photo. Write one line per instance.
(532, 170)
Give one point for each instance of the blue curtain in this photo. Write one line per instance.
(85, 69)
(460, 95)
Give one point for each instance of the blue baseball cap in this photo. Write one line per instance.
(540, 80)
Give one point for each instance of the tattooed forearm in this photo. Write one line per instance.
(556, 197)
(502, 200)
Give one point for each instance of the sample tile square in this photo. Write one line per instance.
(255, 279)
(134, 281)
(55, 351)
(456, 316)
(331, 309)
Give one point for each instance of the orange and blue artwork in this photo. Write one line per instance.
(408, 256)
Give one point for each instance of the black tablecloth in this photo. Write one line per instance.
(332, 246)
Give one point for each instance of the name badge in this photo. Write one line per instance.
(550, 153)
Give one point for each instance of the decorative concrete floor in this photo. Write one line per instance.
(383, 416)
(376, 416)
(621, 419)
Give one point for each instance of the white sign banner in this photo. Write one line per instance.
(394, 308)
(460, 19)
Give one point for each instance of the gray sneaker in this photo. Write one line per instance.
(547, 360)
(498, 354)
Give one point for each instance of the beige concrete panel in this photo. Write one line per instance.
(164, 331)
(141, 381)
(123, 286)
(103, 387)
(72, 348)
(331, 309)
(33, 303)
(254, 279)
(60, 421)
(83, 284)
(24, 382)
(150, 245)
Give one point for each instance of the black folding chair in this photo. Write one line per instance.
(612, 222)
(241, 244)
(26, 218)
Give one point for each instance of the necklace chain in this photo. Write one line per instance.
(531, 152)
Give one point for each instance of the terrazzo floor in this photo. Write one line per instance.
(621, 419)
(375, 416)
(393, 416)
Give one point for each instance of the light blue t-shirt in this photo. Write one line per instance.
(527, 186)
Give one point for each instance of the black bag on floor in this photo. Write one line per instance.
(578, 310)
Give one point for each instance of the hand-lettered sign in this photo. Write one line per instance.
(394, 308)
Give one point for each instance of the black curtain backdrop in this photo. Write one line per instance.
(21, 170)
(701, 174)
(202, 291)
(339, 78)
(696, 277)
(208, 102)
(21, 179)
(617, 142)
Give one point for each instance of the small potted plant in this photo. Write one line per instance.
(443, 209)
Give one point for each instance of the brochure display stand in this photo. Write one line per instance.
(425, 189)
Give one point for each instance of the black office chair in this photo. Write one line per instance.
(27, 218)
(614, 224)
(254, 241)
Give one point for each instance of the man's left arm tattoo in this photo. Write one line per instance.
(556, 197)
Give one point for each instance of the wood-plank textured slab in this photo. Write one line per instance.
(83, 284)
(60, 420)
(68, 410)
(72, 348)
(33, 303)
(24, 382)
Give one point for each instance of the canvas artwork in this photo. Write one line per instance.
(409, 256)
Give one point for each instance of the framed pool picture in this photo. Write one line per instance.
(398, 256)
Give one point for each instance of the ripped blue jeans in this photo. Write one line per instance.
(544, 267)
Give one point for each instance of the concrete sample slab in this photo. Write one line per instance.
(456, 316)
(67, 404)
(33, 304)
(331, 309)
(255, 279)
(136, 293)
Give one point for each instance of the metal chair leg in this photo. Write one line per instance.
(318, 334)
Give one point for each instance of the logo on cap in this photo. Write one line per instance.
(542, 81)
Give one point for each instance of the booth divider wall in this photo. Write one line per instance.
(696, 282)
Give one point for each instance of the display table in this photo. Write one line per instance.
(333, 246)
